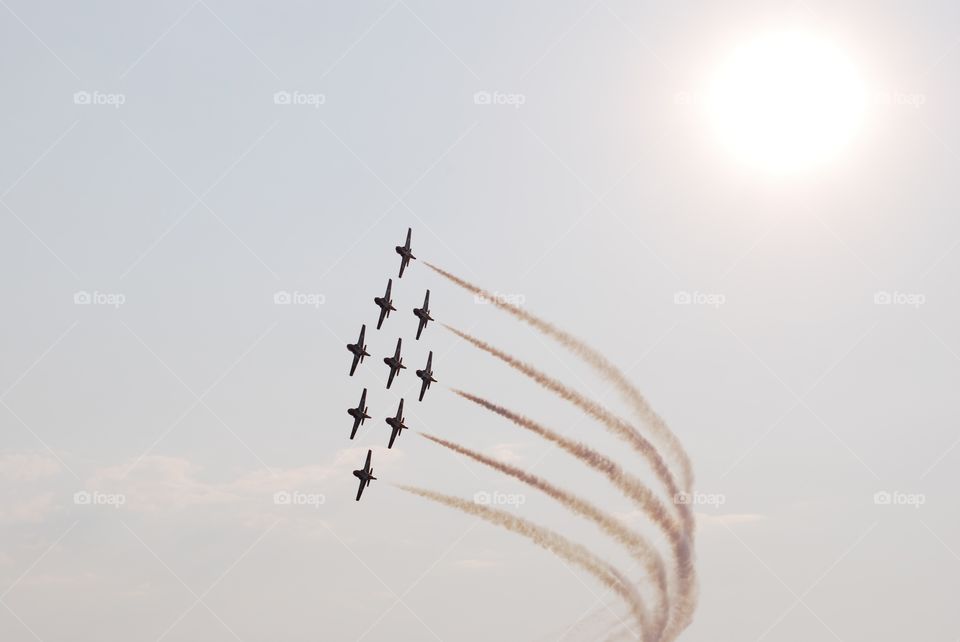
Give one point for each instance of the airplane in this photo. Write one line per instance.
(385, 303)
(359, 413)
(405, 254)
(395, 363)
(426, 375)
(365, 476)
(396, 423)
(358, 349)
(423, 314)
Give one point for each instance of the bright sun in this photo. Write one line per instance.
(786, 102)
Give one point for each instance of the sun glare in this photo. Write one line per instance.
(786, 102)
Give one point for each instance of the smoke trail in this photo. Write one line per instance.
(600, 363)
(639, 548)
(633, 488)
(637, 402)
(611, 421)
(547, 539)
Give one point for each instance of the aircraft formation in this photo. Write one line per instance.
(394, 362)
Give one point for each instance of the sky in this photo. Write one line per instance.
(173, 172)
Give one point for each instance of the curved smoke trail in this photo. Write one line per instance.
(639, 548)
(600, 363)
(547, 539)
(633, 488)
(619, 427)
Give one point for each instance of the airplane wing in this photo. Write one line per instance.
(429, 360)
(360, 490)
(363, 330)
(363, 399)
(396, 353)
(393, 435)
(366, 465)
(383, 313)
(356, 360)
(423, 388)
(403, 264)
(389, 287)
(356, 424)
(421, 326)
(426, 301)
(400, 410)
(408, 238)
(393, 373)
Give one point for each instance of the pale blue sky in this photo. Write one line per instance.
(196, 197)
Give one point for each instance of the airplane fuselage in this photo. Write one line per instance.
(359, 415)
(396, 365)
(365, 479)
(357, 350)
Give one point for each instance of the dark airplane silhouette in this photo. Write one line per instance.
(358, 349)
(423, 314)
(359, 413)
(365, 475)
(426, 376)
(385, 303)
(396, 423)
(405, 254)
(395, 363)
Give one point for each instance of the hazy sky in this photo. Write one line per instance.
(151, 165)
